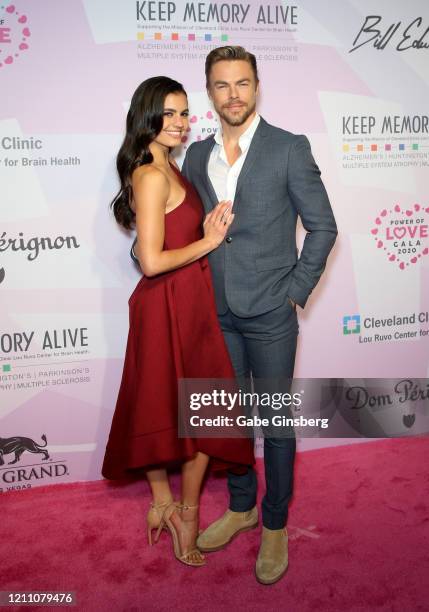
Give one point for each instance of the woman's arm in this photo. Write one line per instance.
(151, 190)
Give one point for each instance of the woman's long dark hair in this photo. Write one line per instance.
(144, 122)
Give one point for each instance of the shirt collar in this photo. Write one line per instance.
(246, 137)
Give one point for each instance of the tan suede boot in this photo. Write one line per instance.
(272, 561)
(221, 532)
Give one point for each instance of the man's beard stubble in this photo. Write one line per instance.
(239, 120)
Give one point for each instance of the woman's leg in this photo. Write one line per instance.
(186, 521)
(160, 486)
(192, 477)
(162, 498)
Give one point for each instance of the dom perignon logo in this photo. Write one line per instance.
(33, 246)
(17, 449)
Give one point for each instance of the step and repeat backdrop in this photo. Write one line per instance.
(350, 74)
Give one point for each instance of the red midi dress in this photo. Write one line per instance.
(174, 333)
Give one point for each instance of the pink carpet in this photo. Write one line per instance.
(359, 541)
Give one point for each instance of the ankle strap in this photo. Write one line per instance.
(162, 505)
(186, 507)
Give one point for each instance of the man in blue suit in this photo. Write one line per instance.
(271, 177)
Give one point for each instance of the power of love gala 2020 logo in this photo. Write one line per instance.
(14, 34)
(402, 233)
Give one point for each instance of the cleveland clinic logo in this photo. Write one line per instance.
(351, 324)
(14, 34)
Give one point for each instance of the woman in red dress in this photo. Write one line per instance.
(174, 332)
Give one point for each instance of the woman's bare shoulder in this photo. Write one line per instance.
(149, 185)
(149, 176)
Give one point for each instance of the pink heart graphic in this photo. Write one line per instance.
(402, 234)
(12, 21)
(209, 115)
(193, 119)
(399, 232)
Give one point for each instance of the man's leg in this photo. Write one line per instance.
(279, 458)
(270, 345)
(270, 342)
(242, 513)
(242, 487)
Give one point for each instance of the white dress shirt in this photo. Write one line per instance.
(223, 176)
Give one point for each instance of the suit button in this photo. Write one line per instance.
(229, 239)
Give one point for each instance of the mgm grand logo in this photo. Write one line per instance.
(22, 477)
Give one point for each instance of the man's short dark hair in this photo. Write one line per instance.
(230, 53)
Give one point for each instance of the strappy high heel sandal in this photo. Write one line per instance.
(192, 557)
(154, 519)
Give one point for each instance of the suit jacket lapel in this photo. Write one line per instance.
(205, 170)
(255, 149)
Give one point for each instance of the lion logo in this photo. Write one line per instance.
(19, 445)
